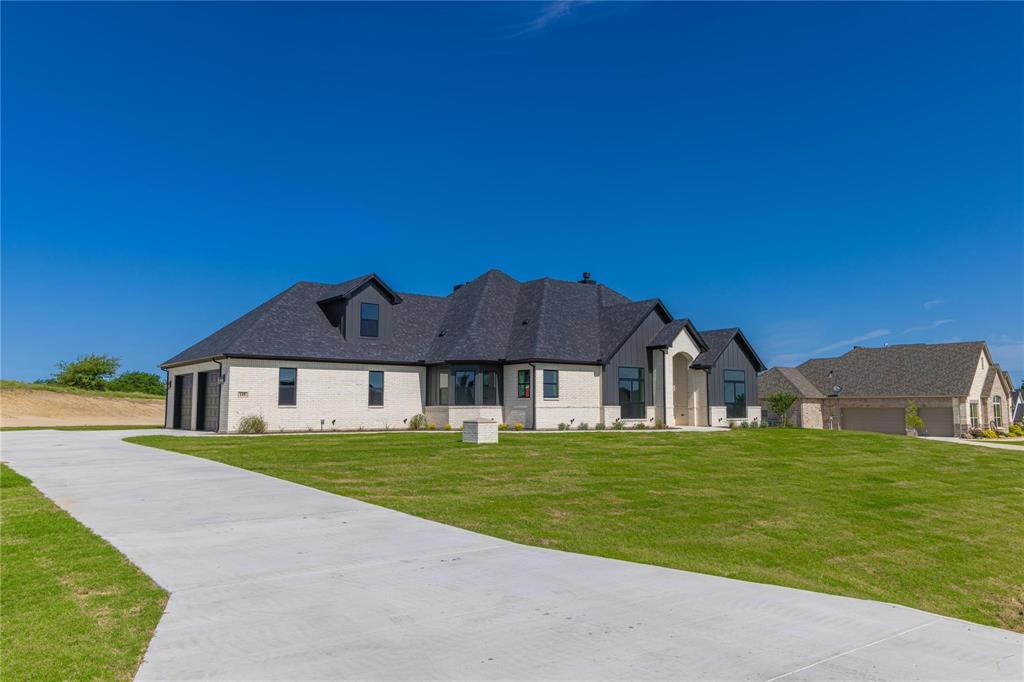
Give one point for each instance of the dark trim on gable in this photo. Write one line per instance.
(372, 278)
(702, 345)
(744, 345)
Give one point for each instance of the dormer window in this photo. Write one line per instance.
(369, 320)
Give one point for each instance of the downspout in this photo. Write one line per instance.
(707, 394)
(533, 393)
(168, 398)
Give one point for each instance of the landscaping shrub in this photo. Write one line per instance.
(431, 427)
(639, 426)
(583, 426)
(913, 419)
(658, 424)
(503, 426)
(417, 422)
(599, 426)
(519, 426)
(1017, 430)
(447, 427)
(618, 424)
(989, 433)
(563, 427)
(252, 423)
(137, 382)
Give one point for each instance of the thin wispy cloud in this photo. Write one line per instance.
(873, 334)
(928, 305)
(552, 12)
(924, 327)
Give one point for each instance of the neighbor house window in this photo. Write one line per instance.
(523, 383)
(997, 411)
(631, 393)
(376, 389)
(442, 387)
(974, 415)
(286, 380)
(490, 382)
(735, 393)
(551, 383)
(369, 319)
(465, 387)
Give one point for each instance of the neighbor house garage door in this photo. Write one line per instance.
(879, 420)
(938, 421)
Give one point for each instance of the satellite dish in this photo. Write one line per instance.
(837, 389)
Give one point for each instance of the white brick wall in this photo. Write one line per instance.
(324, 390)
(579, 396)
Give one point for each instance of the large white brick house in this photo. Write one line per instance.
(358, 355)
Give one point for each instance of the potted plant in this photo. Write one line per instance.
(913, 419)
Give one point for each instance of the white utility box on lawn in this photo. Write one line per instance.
(480, 431)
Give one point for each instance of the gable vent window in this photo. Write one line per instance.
(287, 379)
(369, 320)
(376, 389)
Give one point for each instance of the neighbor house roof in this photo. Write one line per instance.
(493, 318)
(718, 340)
(787, 380)
(919, 369)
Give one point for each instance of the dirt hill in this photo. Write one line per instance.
(23, 406)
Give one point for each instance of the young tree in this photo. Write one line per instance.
(913, 419)
(779, 403)
(137, 382)
(88, 371)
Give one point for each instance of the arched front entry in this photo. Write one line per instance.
(682, 394)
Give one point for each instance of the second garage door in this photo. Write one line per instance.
(938, 421)
(879, 420)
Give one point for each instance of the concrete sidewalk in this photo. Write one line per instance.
(979, 443)
(273, 580)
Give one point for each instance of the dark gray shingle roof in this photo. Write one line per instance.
(492, 318)
(919, 369)
(718, 340)
(786, 380)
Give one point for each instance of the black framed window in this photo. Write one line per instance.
(287, 380)
(631, 393)
(442, 387)
(997, 411)
(465, 387)
(376, 388)
(523, 383)
(369, 319)
(735, 393)
(551, 383)
(489, 379)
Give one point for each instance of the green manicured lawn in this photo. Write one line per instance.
(72, 606)
(101, 427)
(937, 526)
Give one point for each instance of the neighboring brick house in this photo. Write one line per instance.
(956, 386)
(359, 355)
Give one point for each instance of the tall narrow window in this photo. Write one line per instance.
(631, 393)
(369, 319)
(551, 383)
(974, 415)
(490, 386)
(735, 394)
(287, 378)
(442, 386)
(465, 387)
(997, 411)
(523, 383)
(376, 388)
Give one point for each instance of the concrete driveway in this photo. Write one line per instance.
(273, 580)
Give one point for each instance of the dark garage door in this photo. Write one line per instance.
(183, 401)
(938, 421)
(209, 401)
(879, 420)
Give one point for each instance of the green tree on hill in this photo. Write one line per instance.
(137, 382)
(90, 372)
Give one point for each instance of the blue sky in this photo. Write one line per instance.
(818, 174)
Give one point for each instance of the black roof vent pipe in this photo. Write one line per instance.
(586, 279)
